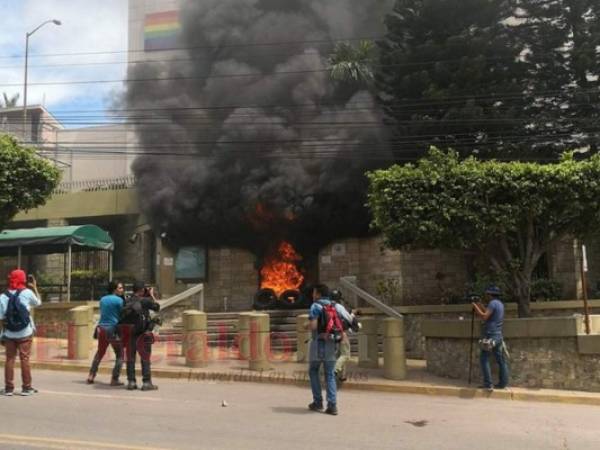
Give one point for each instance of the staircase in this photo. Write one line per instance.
(222, 330)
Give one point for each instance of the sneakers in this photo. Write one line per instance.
(114, 382)
(331, 410)
(131, 386)
(7, 392)
(487, 388)
(148, 386)
(28, 391)
(315, 406)
(499, 386)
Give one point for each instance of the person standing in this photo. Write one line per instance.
(19, 328)
(322, 350)
(492, 339)
(136, 328)
(106, 331)
(350, 323)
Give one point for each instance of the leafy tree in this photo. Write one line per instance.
(10, 102)
(26, 180)
(512, 212)
(502, 77)
(353, 63)
(560, 41)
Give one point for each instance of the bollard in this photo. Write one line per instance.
(368, 353)
(302, 338)
(195, 338)
(79, 335)
(260, 341)
(243, 330)
(394, 356)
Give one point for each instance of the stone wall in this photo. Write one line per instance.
(414, 317)
(52, 319)
(232, 280)
(537, 358)
(418, 276)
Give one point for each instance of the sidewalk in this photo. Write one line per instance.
(224, 367)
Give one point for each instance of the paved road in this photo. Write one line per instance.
(188, 415)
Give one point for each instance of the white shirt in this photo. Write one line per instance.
(27, 298)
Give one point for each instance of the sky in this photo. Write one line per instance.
(87, 26)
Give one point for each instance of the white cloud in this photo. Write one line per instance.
(87, 26)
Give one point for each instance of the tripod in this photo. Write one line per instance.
(471, 344)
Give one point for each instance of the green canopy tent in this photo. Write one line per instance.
(36, 241)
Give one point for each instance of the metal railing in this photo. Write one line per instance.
(349, 283)
(107, 184)
(194, 290)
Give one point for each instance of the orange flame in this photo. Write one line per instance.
(280, 271)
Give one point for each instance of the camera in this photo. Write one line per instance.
(154, 323)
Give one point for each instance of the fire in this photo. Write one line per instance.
(280, 271)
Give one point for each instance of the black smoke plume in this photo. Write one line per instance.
(254, 159)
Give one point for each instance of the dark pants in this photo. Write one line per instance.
(108, 336)
(23, 347)
(139, 344)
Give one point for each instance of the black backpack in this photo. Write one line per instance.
(329, 325)
(17, 315)
(133, 314)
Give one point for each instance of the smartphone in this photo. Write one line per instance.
(30, 278)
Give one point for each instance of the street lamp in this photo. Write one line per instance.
(55, 22)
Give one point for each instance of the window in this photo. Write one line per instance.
(190, 264)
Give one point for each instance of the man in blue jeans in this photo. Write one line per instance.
(321, 351)
(493, 342)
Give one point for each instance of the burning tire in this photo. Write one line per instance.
(265, 299)
(291, 299)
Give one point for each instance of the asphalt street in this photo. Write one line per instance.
(68, 414)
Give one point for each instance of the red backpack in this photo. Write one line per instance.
(330, 325)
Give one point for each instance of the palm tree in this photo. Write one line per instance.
(353, 63)
(10, 102)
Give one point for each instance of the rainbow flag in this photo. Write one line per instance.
(162, 31)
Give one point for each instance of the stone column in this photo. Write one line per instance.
(79, 333)
(394, 357)
(260, 341)
(243, 332)
(368, 353)
(302, 338)
(195, 338)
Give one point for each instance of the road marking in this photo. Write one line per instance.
(61, 443)
(107, 396)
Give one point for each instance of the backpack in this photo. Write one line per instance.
(133, 313)
(329, 326)
(17, 316)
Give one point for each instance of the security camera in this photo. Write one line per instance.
(133, 238)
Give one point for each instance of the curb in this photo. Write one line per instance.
(266, 377)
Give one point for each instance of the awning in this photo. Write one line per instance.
(39, 241)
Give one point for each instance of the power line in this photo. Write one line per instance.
(200, 47)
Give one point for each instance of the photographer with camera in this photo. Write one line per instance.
(17, 336)
(492, 340)
(136, 327)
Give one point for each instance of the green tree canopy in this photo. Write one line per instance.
(501, 77)
(511, 212)
(26, 180)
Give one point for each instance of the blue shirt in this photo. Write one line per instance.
(27, 298)
(320, 350)
(110, 310)
(492, 328)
